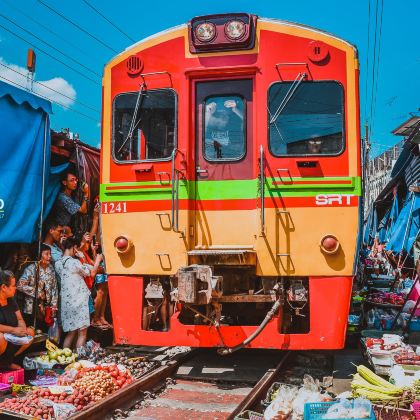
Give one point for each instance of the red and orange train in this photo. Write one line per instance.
(231, 185)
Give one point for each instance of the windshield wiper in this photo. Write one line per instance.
(288, 96)
(133, 123)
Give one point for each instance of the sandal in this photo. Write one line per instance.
(98, 325)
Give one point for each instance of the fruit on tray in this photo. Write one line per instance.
(61, 356)
(386, 298)
(406, 358)
(34, 404)
(97, 382)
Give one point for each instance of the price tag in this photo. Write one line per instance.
(59, 389)
(51, 346)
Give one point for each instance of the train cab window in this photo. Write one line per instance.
(144, 125)
(224, 135)
(308, 120)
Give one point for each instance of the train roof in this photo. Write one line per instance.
(261, 19)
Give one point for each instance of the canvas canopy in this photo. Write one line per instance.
(406, 227)
(25, 164)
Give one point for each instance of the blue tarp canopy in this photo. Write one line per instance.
(388, 221)
(371, 227)
(25, 137)
(406, 227)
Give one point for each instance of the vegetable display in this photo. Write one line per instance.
(376, 389)
(35, 402)
(138, 366)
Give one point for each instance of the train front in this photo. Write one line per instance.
(231, 185)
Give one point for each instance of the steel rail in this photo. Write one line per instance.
(260, 389)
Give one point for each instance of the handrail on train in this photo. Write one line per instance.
(262, 183)
(175, 192)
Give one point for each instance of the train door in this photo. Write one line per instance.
(225, 187)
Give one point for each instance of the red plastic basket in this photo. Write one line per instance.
(392, 413)
(416, 408)
(12, 376)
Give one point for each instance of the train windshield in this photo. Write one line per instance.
(147, 133)
(306, 121)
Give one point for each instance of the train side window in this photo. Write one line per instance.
(224, 134)
(152, 134)
(307, 121)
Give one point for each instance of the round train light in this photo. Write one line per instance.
(122, 244)
(329, 244)
(317, 51)
(235, 29)
(205, 32)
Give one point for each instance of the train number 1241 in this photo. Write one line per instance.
(109, 208)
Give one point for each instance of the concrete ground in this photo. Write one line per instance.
(344, 361)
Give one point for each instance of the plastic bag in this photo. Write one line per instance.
(340, 410)
(68, 377)
(33, 363)
(54, 332)
(61, 410)
(89, 348)
(345, 409)
(281, 406)
(361, 408)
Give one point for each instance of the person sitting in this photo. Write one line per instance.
(53, 240)
(74, 293)
(65, 207)
(47, 287)
(11, 321)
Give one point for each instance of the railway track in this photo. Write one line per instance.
(199, 385)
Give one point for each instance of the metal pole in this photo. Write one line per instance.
(41, 220)
(262, 189)
(173, 189)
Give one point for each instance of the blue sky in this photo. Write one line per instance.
(398, 84)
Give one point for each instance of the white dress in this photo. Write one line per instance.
(74, 293)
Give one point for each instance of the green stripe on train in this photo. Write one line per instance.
(229, 189)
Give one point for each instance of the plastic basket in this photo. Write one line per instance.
(416, 408)
(12, 376)
(317, 410)
(4, 389)
(392, 413)
(249, 415)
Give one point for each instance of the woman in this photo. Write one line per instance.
(11, 321)
(74, 293)
(47, 286)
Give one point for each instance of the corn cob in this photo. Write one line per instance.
(359, 382)
(373, 378)
(375, 396)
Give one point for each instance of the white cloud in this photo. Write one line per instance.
(56, 89)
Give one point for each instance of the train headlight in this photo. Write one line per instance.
(329, 244)
(122, 244)
(235, 29)
(205, 32)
